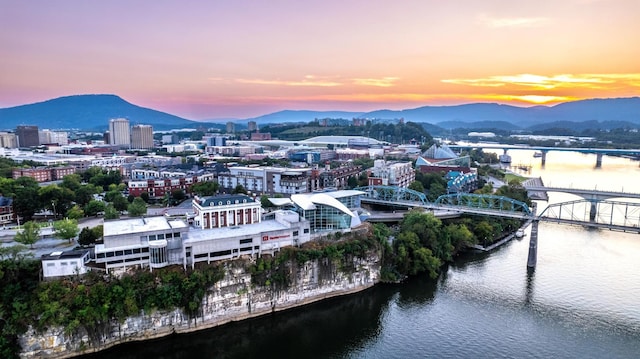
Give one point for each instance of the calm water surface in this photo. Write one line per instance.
(582, 300)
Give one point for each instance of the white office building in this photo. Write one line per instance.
(119, 132)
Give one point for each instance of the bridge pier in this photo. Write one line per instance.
(593, 211)
(533, 245)
(544, 158)
(598, 160)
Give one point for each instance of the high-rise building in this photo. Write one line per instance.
(252, 126)
(8, 140)
(50, 137)
(142, 137)
(27, 136)
(119, 132)
(231, 127)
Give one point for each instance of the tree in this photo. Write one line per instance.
(86, 237)
(120, 203)
(26, 201)
(137, 208)
(29, 235)
(178, 195)
(205, 188)
(66, 228)
(110, 212)
(239, 189)
(144, 196)
(416, 186)
(264, 201)
(75, 212)
(89, 236)
(94, 207)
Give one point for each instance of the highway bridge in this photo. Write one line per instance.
(599, 152)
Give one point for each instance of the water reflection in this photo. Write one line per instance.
(353, 319)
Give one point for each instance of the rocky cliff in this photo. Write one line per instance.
(231, 299)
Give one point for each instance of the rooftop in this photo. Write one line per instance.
(221, 200)
(196, 234)
(139, 225)
(65, 255)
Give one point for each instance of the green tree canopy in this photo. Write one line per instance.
(205, 188)
(75, 212)
(66, 228)
(94, 207)
(29, 234)
(137, 208)
(110, 212)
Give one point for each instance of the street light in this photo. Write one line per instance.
(54, 209)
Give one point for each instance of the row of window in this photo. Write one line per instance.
(121, 253)
(52, 264)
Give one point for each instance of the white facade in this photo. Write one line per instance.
(60, 264)
(156, 242)
(266, 179)
(142, 137)
(119, 132)
(287, 229)
(399, 174)
(225, 211)
(48, 136)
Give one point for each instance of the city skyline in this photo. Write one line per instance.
(240, 59)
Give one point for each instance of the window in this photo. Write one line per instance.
(161, 236)
(306, 230)
(295, 233)
(51, 264)
(64, 263)
(245, 241)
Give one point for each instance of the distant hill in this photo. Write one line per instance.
(301, 116)
(87, 112)
(614, 109)
(94, 112)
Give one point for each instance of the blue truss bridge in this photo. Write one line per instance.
(595, 210)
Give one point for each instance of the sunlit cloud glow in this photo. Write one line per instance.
(539, 82)
(381, 82)
(493, 22)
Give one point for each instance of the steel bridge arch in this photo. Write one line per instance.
(484, 201)
(391, 193)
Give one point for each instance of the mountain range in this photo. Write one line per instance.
(92, 112)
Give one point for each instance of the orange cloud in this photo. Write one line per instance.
(494, 22)
(540, 82)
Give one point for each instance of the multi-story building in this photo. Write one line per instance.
(8, 140)
(337, 178)
(325, 211)
(6, 209)
(152, 242)
(119, 132)
(225, 211)
(169, 139)
(230, 150)
(266, 179)
(27, 136)
(158, 187)
(156, 242)
(252, 126)
(399, 174)
(260, 136)
(53, 137)
(231, 127)
(142, 137)
(216, 141)
(43, 174)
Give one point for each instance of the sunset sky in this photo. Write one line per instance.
(215, 59)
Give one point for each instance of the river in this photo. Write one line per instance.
(581, 301)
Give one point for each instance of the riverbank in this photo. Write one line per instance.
(502, 241)
(232, 299)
